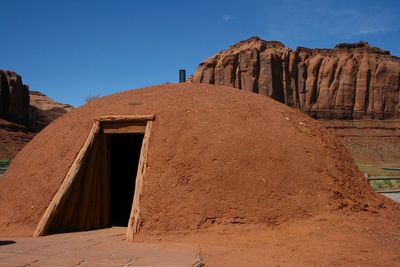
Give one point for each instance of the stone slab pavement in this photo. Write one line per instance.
(105, 247)
(394, 196)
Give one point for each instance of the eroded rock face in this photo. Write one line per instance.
(23, 113)
(14, 98)
(31, 109)
(350, 81)
(44, 110)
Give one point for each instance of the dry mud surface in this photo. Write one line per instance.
(364, 239)
(102, 248)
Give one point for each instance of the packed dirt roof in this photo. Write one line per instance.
(217, 156)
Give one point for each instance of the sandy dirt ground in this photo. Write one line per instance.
(106, 247)
(13, 137)
(325, 240)
(370, 142)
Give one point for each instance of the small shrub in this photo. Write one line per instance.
(91, 98)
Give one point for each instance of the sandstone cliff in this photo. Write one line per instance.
(23, 113)
(30, 109)
(350, 81)
(43, 110)
(14, 98)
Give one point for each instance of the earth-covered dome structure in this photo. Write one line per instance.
(178, 157)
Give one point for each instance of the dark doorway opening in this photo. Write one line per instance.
(124, 154)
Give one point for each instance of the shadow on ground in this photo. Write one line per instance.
(6, 242)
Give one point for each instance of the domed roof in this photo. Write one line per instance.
(216, 155)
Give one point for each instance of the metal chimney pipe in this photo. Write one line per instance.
(182, 76)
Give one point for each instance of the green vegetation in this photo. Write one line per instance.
(385, 184)
(374, 170)
(4, 163)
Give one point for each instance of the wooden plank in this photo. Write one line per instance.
(105, 211)
(388, 191)
(373, 178)
(62, 192)
(134, 219)
(124, 128)
(88, 189)
(123, 124)
(121, 118)
(391, 169)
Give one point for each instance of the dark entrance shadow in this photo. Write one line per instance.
(6, 242)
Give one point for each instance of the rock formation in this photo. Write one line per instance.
(14, 98)
(43, 110)
(350, 81)
(23, 113)
(31, 109)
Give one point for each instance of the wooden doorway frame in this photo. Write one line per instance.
(112, 124)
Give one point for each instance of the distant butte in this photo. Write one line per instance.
(350, 81)
(30, 109)
(23, 113)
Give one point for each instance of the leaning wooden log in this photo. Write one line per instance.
(134, 219)
(65, 187)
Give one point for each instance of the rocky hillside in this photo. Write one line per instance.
(350, 81)
(23, 113)
(14, 98)
(30, 109)
(43, 110)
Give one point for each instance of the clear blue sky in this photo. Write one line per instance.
(72, 49)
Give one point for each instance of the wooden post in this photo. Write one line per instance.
(134, 219)
(182, 76)
(62, 192)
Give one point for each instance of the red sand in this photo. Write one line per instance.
(352, 239)
(13, 137)
(218, 157)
